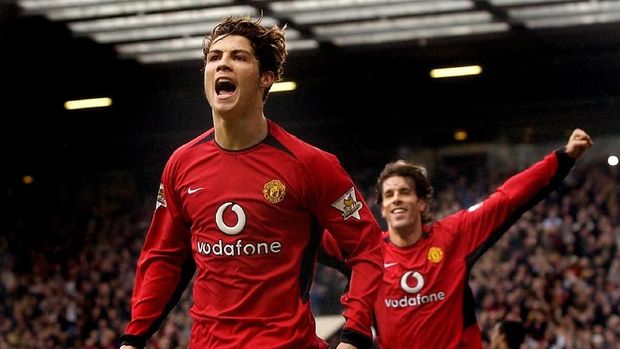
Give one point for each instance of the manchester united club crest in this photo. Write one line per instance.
(348, 205)
(435, 254)
(274, 191)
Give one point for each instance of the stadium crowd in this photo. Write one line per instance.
(68, 284)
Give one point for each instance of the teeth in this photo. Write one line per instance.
(398, 210)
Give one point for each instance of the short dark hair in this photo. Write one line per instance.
(417, 173)
(269, 44)
(514, 332)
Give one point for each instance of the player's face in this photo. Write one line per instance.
(231, 78)
(401, 207)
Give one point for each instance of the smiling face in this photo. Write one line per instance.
(401, 207)
(232, 78)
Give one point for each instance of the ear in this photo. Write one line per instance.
(422, 205)
(267, 79)
(383, 210)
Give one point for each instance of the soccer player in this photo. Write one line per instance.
(243, 206)
(424, 299)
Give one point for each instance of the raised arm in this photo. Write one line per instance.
(484, 223)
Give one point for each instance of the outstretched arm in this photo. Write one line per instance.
(484, 223)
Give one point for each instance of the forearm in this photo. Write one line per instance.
(158, 287)
(366, 275)
(364, 271)
(539, 179)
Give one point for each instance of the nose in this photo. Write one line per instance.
(223, 67)
(223, 64)
(395, 198)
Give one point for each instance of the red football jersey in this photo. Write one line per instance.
(424, 300)
(250, 223)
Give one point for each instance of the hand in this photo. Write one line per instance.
(578, 142)
(346, 346)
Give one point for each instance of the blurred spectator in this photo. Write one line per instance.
(507, 334)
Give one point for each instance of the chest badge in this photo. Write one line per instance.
(435, 254)
(274, 191)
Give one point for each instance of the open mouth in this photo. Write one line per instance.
(224, 87)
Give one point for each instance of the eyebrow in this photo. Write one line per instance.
(232, 51)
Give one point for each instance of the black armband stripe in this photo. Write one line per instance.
(308, 258)
(355, 338)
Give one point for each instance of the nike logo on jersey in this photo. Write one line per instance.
(387, 265)
(192, 191)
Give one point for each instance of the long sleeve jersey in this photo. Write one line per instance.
(424, 299)
(248, 224)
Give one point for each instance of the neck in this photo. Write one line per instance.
(240, 133)
(405, 236)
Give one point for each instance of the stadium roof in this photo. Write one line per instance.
(361, 67)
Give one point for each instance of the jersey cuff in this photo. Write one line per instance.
(565, 162)
(135, 341)
(355, 338)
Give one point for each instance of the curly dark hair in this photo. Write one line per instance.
(417, 173)
(269, 44)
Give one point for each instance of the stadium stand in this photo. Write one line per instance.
(66, 275)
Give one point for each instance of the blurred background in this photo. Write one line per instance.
(79, 186)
